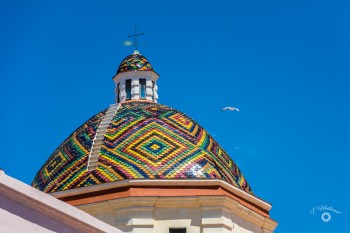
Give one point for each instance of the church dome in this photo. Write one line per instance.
(141, 140)
(134, 62)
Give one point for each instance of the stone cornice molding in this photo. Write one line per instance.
(139, 73)
(167, 183)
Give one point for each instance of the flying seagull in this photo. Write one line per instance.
(230, 108)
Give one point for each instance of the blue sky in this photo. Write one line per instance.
(285, 64)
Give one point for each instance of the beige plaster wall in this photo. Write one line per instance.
(157, 215)
(165, 218)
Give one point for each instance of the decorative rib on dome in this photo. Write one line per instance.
(134, 62)
(68, 161)
(143, 141)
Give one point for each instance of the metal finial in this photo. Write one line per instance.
(134, 43)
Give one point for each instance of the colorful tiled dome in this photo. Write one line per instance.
(134, 62)
(144, 140)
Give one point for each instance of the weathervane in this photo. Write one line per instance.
(134, 43)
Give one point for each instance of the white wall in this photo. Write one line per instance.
(25, 209)
(15, 217)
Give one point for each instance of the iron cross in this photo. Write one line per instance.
(135, 43)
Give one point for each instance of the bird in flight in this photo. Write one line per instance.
(230, 108)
